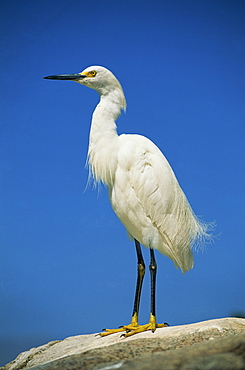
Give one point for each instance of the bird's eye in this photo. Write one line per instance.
(92, 73)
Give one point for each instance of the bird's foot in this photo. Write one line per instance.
(152, 325)
(134, 327)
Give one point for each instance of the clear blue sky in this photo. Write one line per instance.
(67, 266)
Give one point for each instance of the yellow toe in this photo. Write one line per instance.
(134, 327)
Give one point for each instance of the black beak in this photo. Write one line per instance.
(69, 77)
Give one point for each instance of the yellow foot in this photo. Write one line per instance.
(135, 328)
(142, 328)
(134, 325)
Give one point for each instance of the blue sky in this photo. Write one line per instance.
(67, 266)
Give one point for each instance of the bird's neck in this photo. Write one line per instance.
(102, 151)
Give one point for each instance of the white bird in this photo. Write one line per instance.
(142, 187)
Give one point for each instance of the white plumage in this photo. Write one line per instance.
(143, 190)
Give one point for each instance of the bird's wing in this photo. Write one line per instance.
(153, 192)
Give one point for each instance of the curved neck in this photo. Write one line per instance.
(103, 133)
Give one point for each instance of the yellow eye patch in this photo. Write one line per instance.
(90, 73)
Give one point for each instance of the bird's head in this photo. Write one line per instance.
(96, 77)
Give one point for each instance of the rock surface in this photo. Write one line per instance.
(214, 344)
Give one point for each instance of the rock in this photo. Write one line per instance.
(214, 344)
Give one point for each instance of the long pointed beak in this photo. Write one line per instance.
(69, 77)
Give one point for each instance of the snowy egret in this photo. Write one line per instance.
(142, 187)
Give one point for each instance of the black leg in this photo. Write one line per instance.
(140, 277)
(153, 272)
(134, 326)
